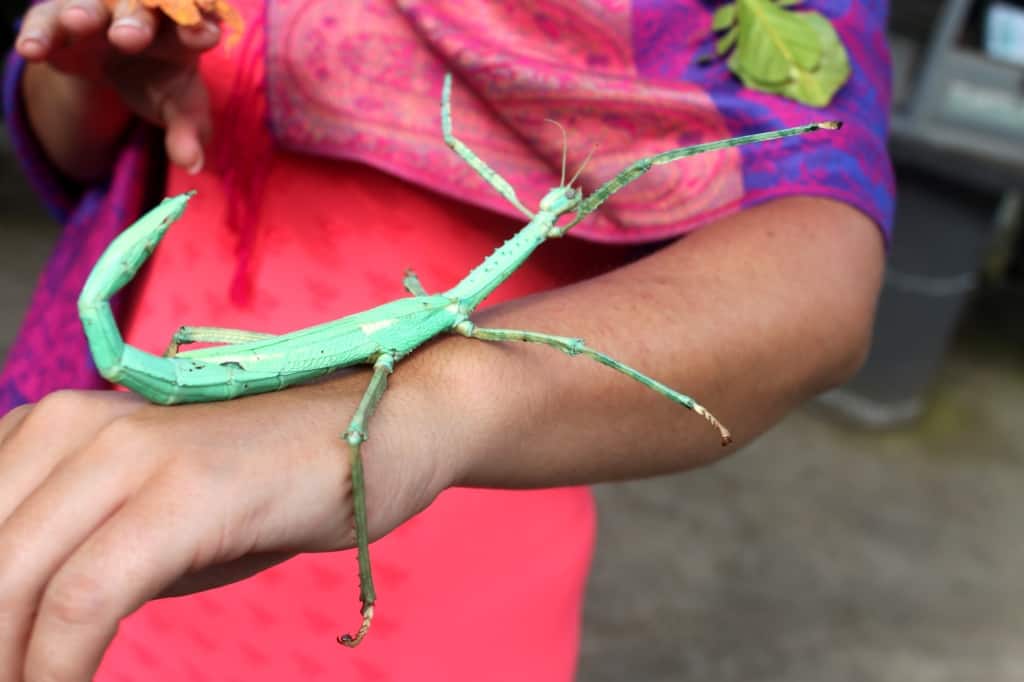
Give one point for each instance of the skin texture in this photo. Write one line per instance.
(173, 500)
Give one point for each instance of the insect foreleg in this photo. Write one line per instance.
(186, 335)
(638, 168)
(355, 436)
(590, 204)
(412, 284)
(489, 175)
(575, 346)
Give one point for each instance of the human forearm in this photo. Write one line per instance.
(78, 124)
(750, 316)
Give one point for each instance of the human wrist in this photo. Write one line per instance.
(448, 403)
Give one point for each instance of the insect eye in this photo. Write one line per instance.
(570, 193)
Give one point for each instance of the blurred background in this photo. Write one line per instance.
(874, 535)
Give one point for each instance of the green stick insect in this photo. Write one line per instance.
(251, 362)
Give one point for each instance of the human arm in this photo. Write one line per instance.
(751, 316)
(768, 307)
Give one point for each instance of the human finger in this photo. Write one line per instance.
(81, 17)
(133, 27)
(181, 45)
(40, 31)
(47, 527)
(172, 45)
(40, 436)
(203, 36)
(186, 116)
(157, 536)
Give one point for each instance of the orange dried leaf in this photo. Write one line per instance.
(190, 12)
(183, 12)
(230, 16)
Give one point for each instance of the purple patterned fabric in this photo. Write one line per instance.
(853, 166)
(359, 80)
(50, 351)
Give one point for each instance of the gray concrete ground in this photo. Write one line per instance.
(826, 554)
(820, 553)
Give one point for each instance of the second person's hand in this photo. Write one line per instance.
(92, 69)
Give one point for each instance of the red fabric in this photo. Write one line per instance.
(483, 584)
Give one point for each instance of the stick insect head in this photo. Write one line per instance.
(561, 200)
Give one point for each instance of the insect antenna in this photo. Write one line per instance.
(584, 164)
(565, 148)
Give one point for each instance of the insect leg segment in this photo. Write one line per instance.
(412, 284)
(635, 170)
(590, 204)
(575, 346)
(490, 176)
(186, 335)
(354, 436)
(114, 269)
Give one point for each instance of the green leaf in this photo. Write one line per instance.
(817, 88)
(724, 17)
(750, 81)
(773, 39)
(794, 54)
(726, 42)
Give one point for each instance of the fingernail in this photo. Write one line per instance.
(130, 22)
(85, 9)
(205, 30)
(31, 42)
(208, 26)
(197, 166)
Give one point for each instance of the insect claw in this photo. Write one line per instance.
(722, 431)
(353, 641)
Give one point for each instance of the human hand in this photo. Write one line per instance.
(107, 501)
(149, 63)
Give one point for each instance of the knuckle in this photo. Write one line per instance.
(15, 415)
(75, 600)
(56, 410)
(121, 433)
(62, 404)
